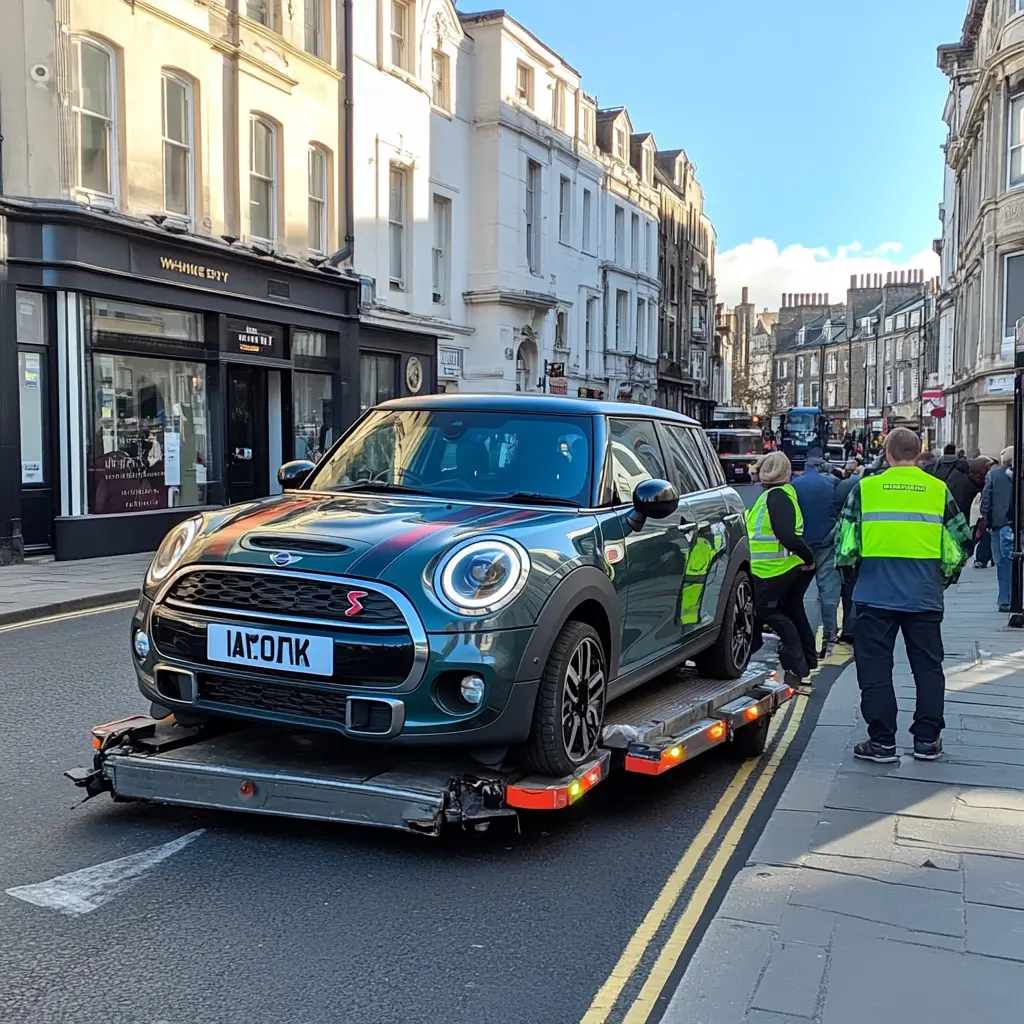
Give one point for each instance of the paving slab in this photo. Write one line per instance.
(953, 773)
(807, 925)
(990, 816)
(891, 871)
(767, 1017)
(759, 894)
(875, 931)
(854, 834)
(995, 931)
(785, 838)
(997, 881)
(961, 836)
(871, 792)
(792, 980)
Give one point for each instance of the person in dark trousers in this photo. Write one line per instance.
(907, 538)
(782, 565)
(955, 472)
(816, 494)
(996, 503)
(851, 480)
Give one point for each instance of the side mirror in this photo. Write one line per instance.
(652, 499)
(293, 475)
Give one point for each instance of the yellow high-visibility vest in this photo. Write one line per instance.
(768, 558)
(901, 514)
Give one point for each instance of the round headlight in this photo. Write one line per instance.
(172, 550)
(482, 576)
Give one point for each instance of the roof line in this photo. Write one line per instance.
(479, 17)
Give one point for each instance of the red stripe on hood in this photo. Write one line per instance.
(221, 543)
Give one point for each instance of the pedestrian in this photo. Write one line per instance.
(955, 472)
(996, 503)
(782, 565)
(816, 495)
(906, 537)
(853, 473)
(981, 539)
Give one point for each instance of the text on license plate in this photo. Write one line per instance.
(289, 652)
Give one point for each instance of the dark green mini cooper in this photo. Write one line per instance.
(479, 571)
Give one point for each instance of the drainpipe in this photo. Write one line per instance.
(347, 250)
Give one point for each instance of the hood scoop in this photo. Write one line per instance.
(314, 546)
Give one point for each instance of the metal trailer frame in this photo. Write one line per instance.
(303, 775)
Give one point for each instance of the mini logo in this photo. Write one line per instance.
(283, 558)
(355, 603)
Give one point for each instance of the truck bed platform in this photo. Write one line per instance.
(316, 776)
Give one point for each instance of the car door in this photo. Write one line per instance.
(702, 509)
(650, 576)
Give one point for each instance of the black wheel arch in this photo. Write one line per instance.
(585, 594)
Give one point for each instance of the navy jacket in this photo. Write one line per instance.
(816, 495)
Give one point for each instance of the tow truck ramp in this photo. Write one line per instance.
(310, 775)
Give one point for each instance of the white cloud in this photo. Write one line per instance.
(768, 273)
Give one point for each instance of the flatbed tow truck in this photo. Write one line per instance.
(311, 776)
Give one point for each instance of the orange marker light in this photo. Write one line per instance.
(675, 753)
(752, 712)
(716, 732)
(96, 743)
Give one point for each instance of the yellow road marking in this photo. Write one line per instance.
(664, 965)
(64, 616)
(610, 991)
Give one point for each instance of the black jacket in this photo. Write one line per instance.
(955, 472)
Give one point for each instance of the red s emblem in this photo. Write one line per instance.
(355, 603)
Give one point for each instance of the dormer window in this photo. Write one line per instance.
(648, 166)
(801, 336)
(620, 143)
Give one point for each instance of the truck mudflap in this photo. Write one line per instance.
(314, 776)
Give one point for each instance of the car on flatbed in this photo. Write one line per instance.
(476, 572)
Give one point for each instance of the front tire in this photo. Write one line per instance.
(729, 656)
(569, 712)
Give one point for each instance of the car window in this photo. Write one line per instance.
(635, 456)
(712, 461)
(684, 451)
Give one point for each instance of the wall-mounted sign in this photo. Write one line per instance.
(933, 403)
(414, 375)
(558, 386)
(449, 362)
(251, 339)
(590, 393)
(556, 369)
(999, 385)
(199, 270)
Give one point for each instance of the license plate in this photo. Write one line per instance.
(287, 652)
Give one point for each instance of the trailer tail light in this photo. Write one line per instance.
(540, 794)
(656, 765)
(752, 712)
(716, 732)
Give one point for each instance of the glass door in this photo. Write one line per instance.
(33, 399)
(247, 449)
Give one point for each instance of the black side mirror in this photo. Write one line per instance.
(292, 475)
(652, 499)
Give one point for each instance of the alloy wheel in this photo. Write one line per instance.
(742, 623)
(583, 698)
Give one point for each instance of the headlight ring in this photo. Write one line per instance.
(172, 549)
(481, 576)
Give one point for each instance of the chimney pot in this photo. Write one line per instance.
(746, 294)
(888, 277)
(853, 280)
(826, 298)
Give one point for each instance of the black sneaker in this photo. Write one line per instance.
(846, 639)
(880, 753)
(927, 750)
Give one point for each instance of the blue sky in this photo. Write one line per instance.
(815, 125)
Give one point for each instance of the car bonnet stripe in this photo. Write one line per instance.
(224, 539)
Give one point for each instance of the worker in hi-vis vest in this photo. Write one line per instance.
(903, 533)
(783, 566)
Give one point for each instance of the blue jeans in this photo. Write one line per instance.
(829, 586)
(1002, 555)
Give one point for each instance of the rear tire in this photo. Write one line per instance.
(729, 656)
(569, 712)
(750, 740)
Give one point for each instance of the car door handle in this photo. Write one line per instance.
(704, 524)
(687, 527)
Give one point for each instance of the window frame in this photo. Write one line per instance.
(400, 172)
(524, 84)
(634, 241)
(1007, 342)
(588, 212)
(316, 151)
(619, 234)
(318, 26)
(440, 280)
(564, 210)
(534, 185)
(268, 12)
(621, 319)
(113, 196)
(440, 81)
(619, 143)
(189, 146)
(400, 40)
(558, 104)
(699, 470)
(608, 492)
(589, 331)
(1014, 102)
(640, 340)
(254, 120)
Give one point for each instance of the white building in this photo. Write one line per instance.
(410, 173)
(534, 289)
(629, 258)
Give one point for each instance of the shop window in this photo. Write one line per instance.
(149, 442)
(378, 380)
(313, 414)
(93, 106)
(312, 344)
(32, 386)
(111, 317)
(262, 180)
(178, 148)
(317, 200)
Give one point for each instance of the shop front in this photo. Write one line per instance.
(392, 364)
(153, 377)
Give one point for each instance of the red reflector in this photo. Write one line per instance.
(247, 788)
(789, 692)
(716, 732)
(552, 798)
(752, 712)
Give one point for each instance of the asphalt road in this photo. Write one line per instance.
(262, 920)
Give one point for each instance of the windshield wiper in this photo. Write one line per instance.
(530, 498)
(379, 485)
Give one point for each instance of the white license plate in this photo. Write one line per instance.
(262, 648)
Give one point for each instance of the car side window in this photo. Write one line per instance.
(711, 459)
(684, 451)
(635, 456)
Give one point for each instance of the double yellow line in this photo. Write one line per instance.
(608, 996)
(65, 616)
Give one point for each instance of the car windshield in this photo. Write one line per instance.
(801, 427)
(471, 455)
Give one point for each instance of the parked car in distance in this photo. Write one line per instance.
(737, 450)
(485, 572)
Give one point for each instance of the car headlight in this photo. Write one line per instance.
(481, 576)
(172, 550)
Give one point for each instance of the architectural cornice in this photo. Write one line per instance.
(521, 299)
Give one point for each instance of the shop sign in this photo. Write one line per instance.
(414, 375)
(449, 362)
(933, 403)
(247, 339)
(198, 270)
(590, 393)
(31, 472)
(999, 385)
(558, 386)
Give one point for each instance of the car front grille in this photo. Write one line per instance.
(280, 594)
(365, 659)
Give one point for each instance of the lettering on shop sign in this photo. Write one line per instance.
(194, 270)
(250, 339)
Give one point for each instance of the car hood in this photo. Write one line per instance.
(362, 535)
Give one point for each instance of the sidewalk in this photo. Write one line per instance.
(887, 892)
(41, 586)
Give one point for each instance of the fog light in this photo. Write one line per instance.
(472, 690)
(141, 644)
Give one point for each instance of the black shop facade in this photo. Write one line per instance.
(146, 377)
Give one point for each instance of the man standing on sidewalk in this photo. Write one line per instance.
(996, 503)
(904, 534)
(816, 494)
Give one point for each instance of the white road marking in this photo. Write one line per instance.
(81, 892)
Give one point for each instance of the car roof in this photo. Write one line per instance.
(553, 405)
